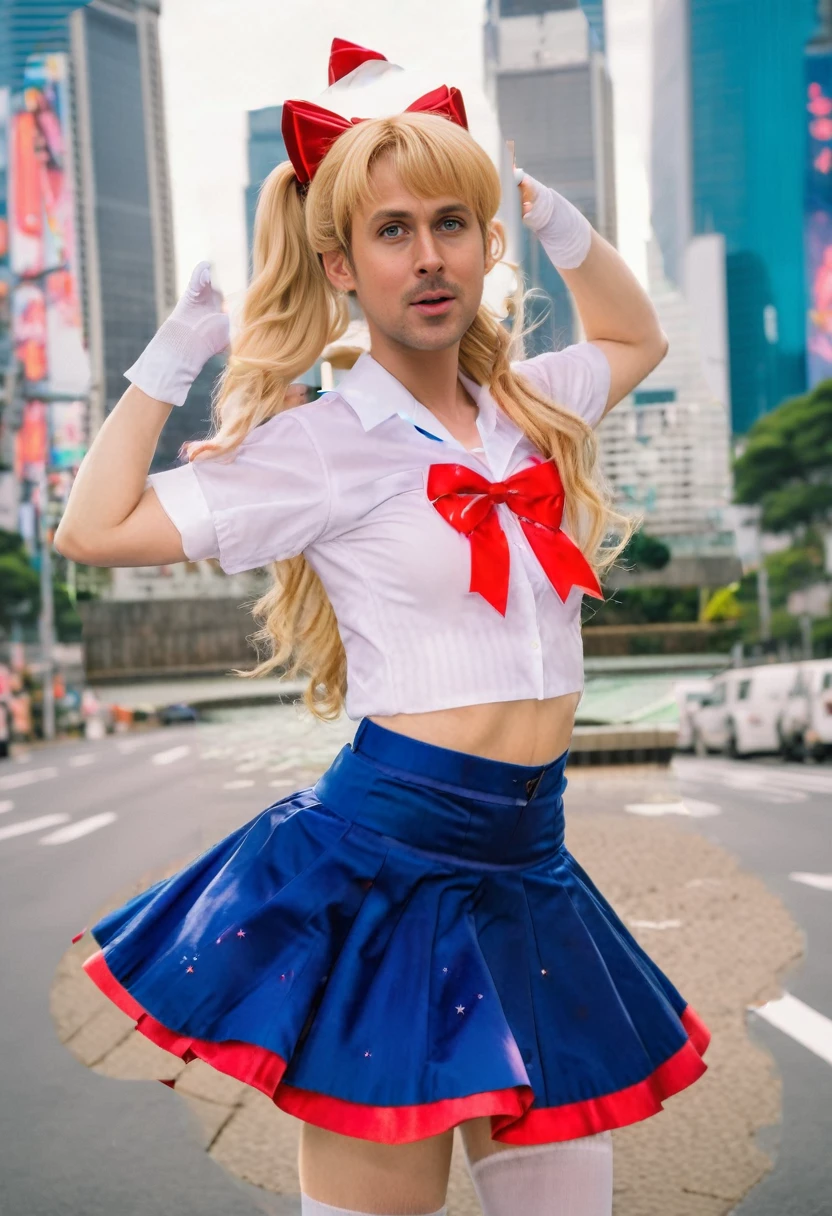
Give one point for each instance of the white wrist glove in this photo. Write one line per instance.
(195, 331)
(563, 231)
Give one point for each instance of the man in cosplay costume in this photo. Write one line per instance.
(407, 945)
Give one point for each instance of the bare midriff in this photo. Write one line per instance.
(519, 732)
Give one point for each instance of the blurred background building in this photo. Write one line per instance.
(548, 79)
(728, 157)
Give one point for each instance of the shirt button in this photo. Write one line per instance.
(535, 645)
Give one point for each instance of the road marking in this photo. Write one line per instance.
(32, 825)
(656, 924)
(6, 804)
(172, 754)
(690, 806)
(14, 781)
(280, 783)
(802, 1023)
(823, 882)
(242, 784)
(82, 827)
(744, 774)
(83, 759)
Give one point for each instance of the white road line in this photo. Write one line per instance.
(804, 1024)
(241, 784)
(14, 781)
(6, 804)
(83, 827)
(750, 775)
(32, 825)
(823, 882)
(690, 806)
(82, 760)
(656, 924)
(172, 754)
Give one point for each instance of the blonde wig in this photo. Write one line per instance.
(290, 313)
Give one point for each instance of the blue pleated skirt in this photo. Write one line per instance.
(402, 946)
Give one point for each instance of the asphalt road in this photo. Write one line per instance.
(73, 1142)
(777, 820)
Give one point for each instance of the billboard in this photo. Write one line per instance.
(46, 316)
(818, 217)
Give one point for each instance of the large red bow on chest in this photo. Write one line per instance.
(466, 500)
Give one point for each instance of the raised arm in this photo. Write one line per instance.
(113, 517)
(616, 313)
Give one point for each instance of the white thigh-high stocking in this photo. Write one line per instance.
(570, 1178)
(312, 1207)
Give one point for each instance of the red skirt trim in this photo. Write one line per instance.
(513, 1122)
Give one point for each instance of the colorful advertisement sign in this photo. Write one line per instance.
(47, 322)
(818, 217)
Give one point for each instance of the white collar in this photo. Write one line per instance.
(375, 394)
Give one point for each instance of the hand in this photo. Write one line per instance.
(196, 331)
(528, 192)
(564, 232)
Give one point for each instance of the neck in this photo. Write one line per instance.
(432, 377)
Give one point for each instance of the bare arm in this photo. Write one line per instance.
(110, 518)
(618, 316)
(616, 313)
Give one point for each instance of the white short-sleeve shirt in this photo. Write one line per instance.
(343, 481)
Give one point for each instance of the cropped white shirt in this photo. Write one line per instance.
(343, 481)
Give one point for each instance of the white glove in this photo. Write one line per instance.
(195, 331)
(563, 231)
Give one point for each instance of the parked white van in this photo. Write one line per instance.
(805, 722)
(740, 715)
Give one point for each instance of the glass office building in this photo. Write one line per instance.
(265, 150)
(728, 157)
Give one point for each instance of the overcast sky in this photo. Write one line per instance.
(222, 58)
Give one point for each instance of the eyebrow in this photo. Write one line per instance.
(408, 215)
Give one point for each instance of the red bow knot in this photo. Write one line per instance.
(466, 500)
(310, 130)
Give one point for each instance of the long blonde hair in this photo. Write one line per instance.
(291, 312)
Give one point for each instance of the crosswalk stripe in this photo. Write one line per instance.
(82, 760)
(168, 757)
(802, 1023)
(14, 781)
(6, 805)
(82, 827)
(32, 825)
(823, 882)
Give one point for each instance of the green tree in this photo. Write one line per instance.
(786, 466)
(20, 592)
(644, 552)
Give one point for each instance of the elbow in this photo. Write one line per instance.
(661, 347)
(69, 547)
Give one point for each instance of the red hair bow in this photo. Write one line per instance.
(466, 500)
(309, 130)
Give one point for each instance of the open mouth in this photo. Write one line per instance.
(432, 308)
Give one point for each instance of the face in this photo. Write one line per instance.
(405, 248)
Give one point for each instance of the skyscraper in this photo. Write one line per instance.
(728, 158)
(550, 83)
(666, 449)
(265, 150)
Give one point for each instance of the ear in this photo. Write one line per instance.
(337, 270)
(495, 245)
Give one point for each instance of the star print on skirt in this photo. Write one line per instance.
(402, 946)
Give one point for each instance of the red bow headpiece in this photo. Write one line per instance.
(309, 130)
(466, 500)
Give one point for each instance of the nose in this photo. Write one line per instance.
(429, 259)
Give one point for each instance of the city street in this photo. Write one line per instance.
(83, 824)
